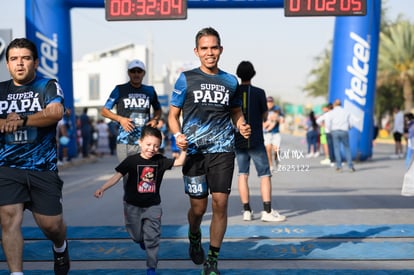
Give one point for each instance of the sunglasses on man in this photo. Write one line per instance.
(134, 71)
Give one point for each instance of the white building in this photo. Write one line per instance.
(96, 75)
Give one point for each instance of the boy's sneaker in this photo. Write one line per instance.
(247, 215)
(151, 271)
(196, 250)
(62, 261)
(273, 216)
(210, 267)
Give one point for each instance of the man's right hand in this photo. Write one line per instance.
(181, 141)
(127, 124)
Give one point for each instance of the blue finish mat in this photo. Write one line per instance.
(245, 250)
(254, 242)
(241, 231)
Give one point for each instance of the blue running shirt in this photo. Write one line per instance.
(134, 103)
(206, 101)
(31, 148)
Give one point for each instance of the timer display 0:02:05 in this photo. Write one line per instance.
(325, 7)
(119, 10)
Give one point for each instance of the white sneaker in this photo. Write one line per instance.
(325, 162)
(273, 216)
(309, 155)
(247, 215)
(316, 155)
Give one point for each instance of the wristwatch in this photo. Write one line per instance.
(24, 118)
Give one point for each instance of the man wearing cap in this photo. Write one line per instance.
(272, 138)
(133, 102)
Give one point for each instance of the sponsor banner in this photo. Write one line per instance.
(353, 74)
(48, 26)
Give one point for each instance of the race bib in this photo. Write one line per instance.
(139, 119)
(196, 186)
(22, 136)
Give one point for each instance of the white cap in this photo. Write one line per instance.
(136, 64)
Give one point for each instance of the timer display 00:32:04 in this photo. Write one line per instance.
(325, 7)
(120, 10)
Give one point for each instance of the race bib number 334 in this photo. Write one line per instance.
(195, 186)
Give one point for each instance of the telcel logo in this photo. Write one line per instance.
(359, 80)
(48, 56)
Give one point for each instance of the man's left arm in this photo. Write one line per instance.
(47, 117)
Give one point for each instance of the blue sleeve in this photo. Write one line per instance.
(53, 93)
(113, 98)
(179, 93)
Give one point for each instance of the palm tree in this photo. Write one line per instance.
(318, 82)
(396, 59)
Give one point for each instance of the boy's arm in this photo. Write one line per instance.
(181, 159)
(108, 184)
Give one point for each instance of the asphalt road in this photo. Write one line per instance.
(307, 192)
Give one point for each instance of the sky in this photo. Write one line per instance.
(282, 49)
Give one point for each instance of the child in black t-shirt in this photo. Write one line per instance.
(142, 192)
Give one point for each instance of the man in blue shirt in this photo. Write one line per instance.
(31, 107)
(133, 101)
(210, 106)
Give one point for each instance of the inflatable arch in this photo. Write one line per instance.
(353, 68)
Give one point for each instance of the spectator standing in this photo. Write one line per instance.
(86, 132)
(312, 134)
(102, 130)
(338, 123)
(398, 132)
(271, 132)
(409, 135)
(254, 109)
(29, 177)
(328, 147)
(211, 108)
(113, 133)
(64, 130)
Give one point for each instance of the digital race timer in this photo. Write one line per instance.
(325, 7)
(118, 10)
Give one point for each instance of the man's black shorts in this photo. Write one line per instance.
(218, 169)
(40, 191)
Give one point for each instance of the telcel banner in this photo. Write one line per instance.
(353, 74)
